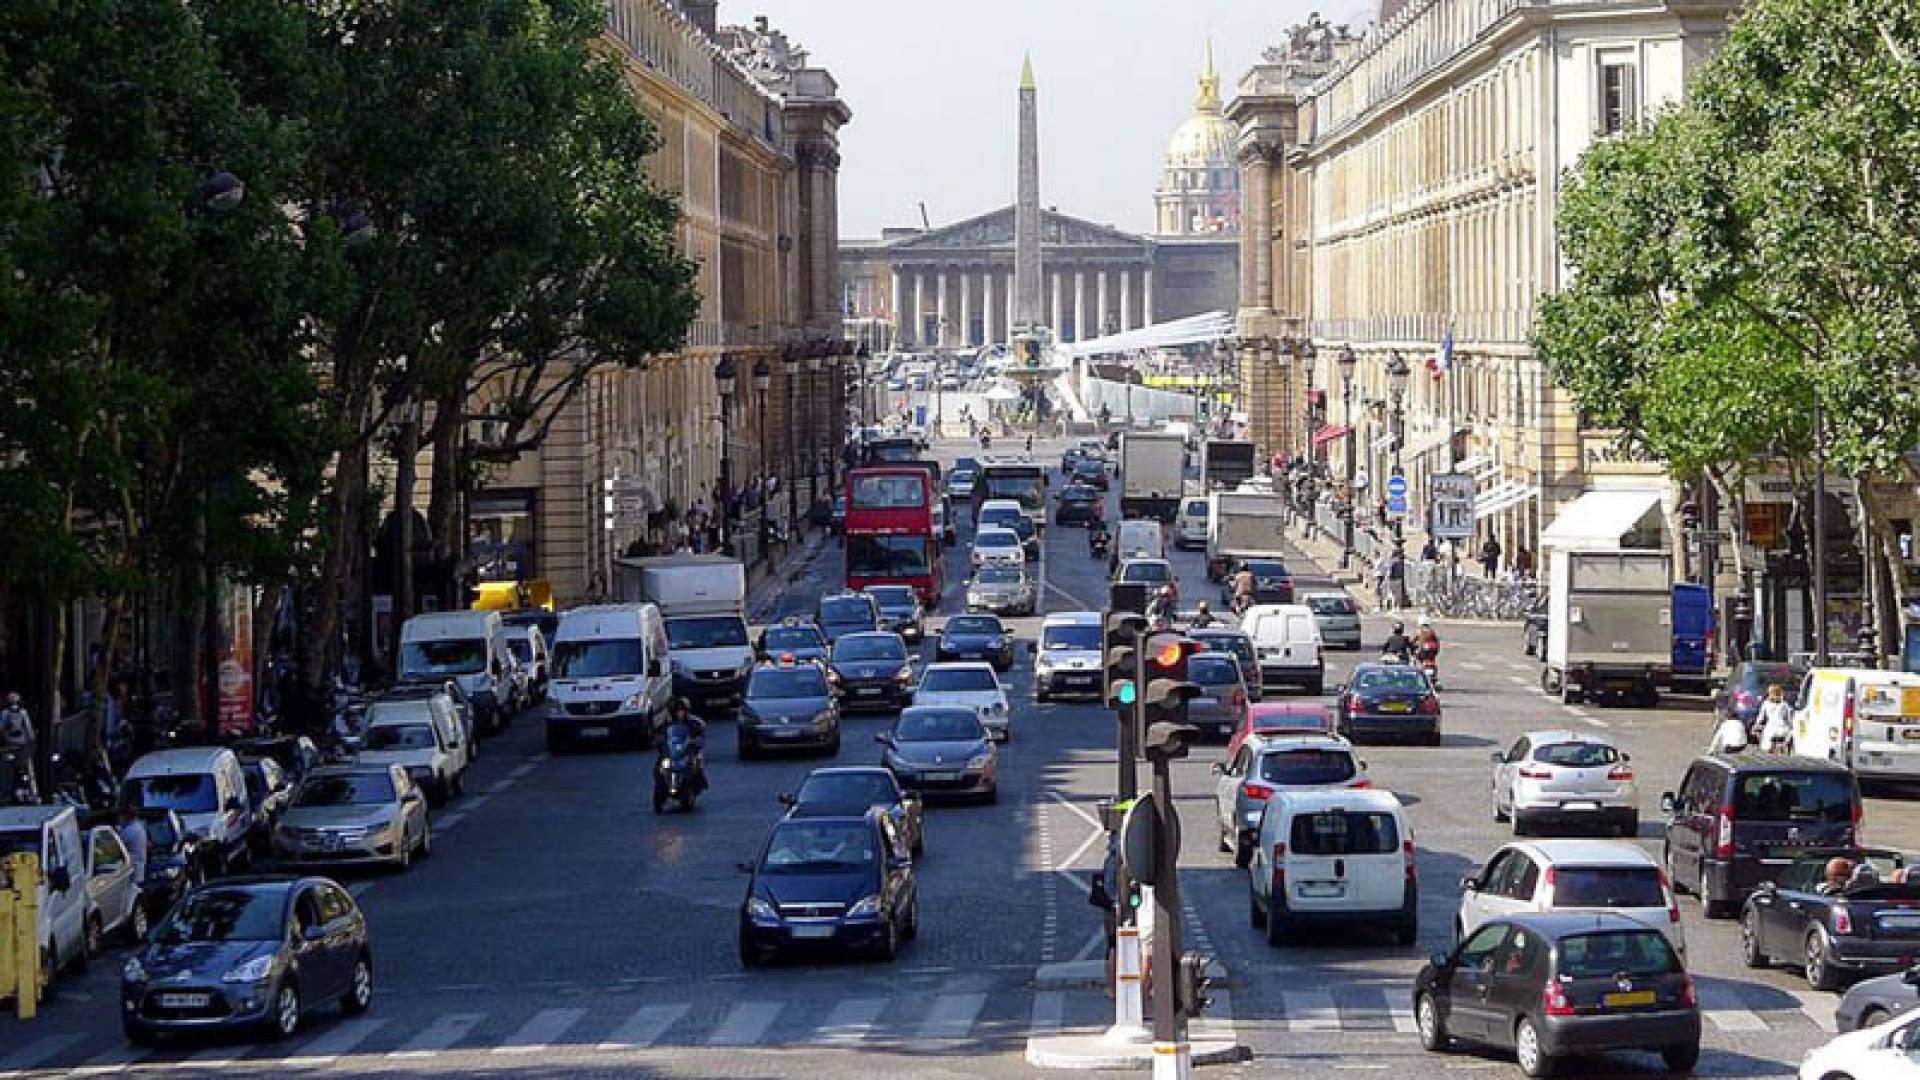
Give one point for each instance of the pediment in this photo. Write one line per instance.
(995, 230)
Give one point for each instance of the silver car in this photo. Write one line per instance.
(1562, 778)
(354, 815)
(1221, 707)
(1265, 764)
(1003, 590)
(1337, 618)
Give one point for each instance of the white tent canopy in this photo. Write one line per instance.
(1601, 520)
(1192, 330)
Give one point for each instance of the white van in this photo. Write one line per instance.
(422, 736)
(1286, 641)
(207, 788)
(1335, 856)
(612, 678)
(1139, 538)
(52, 834)
(1190, 527)
(469, 647)
(1862, 718)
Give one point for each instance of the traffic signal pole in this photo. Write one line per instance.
(1172, 1053)
(1129, 970)
(1133, 721)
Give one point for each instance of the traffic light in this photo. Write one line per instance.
(1190, 988)
(1120, 630)
(1127, 596)
(1167, 689)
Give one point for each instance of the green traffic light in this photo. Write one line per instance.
(1124, 692)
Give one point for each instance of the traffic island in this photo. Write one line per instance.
(1097, 1051)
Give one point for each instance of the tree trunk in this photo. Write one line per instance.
(1889, 593)
(447, 485)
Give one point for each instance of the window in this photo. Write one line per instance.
(1607, 887)
(108, 853)
(1477, 951)
(1619, 90)
(1577, 755)
(1521, 958)
(1612, 952)
(1788, 796)
(959, 680)
(333, 903)
(1310, 766)
(889, 493)
(589, 659)
(1526, 878)
(1343, 832)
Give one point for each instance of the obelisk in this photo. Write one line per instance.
(1026, 210)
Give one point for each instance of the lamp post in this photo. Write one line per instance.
(723, 380)
(816, 359)
(1348, 361)
(1397, 373)
(762, 379)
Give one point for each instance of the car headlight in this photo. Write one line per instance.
(133, 971)
(253, 970)
(979, 760)
(975, 598)
(823, 719)
(635, 703)
(905, 674)
(868, 906)
(762, 912)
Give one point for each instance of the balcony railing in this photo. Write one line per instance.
(662, 39)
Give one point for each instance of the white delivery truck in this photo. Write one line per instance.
(1244, 524)
(703, 600)
(1609, 624)
(469, 647)
(1153, 466)
(1862, 718)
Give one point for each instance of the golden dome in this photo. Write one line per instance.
(1206, 138)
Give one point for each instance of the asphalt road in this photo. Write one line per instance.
(563, 930)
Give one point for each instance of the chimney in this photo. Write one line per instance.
(702, 14)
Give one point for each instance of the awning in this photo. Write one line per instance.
(1329, 432)
(1506, 495)
(1601, 520)
(1471, 462)
(1383, 443)
(1428, 444)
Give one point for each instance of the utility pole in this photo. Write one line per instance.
(1172, 1053)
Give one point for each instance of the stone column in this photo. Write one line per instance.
(966, 308)
(919, 306)
(1007, 327)
(1146, 297)
(894, 309)
(1056, 275)
(1079, 305)
(1126, 300)
(940, 303)
(1256, 236)
(1100, 318)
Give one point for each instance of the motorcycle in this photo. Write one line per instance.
(16, 780)
(84, 783)
(1097, 545)
(1430, 667)
(678, 775)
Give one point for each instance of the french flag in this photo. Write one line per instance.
(1442, 362)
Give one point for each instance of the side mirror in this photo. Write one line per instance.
(1498, 757)
(787, 800)
(313, 933)
(1668, 804)
(1911, 976)
(1217, 769)
(1470, 883)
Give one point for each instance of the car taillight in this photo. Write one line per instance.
(1546, 889)
(1723, 840)
(1620, 772)
(1554, 1001)
(1846, 722)
(1535, 774)
(1406, 854)
(1362, 782)
(1689, 996)
(1258, 791)
(1842, 919)
(1673, 904)
(1859, 818)
(1430, 705)
(1279, 870)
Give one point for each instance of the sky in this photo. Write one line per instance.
(933, 86)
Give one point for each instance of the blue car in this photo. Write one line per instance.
(847, 613)
(976, 637)
(830, 884)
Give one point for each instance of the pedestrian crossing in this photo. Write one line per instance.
(1729, 1008)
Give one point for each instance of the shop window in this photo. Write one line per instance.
(501, 535)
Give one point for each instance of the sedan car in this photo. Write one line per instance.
(846, 613)
(971, 686)
(1235, 643)
(1089, 472)
(1221, 707)
(1388, 701)
(1338, 619)
(1570, 875)
(942, 751)
(900, 610)
(802, 641)
(1885, 1050)
(1079, 505)
(1155, 574)
(997, 546)
(1872, 1002)
(1563, 778)
(848, 791)
(355, 815)
(1552, 985)
(789, 705)
(1867, 924)
(832, 883)
(960, 483)
(871, 672)
(1272, 583)
(976, 637)
(1263, 766)
(248, 954)
(1003, 590)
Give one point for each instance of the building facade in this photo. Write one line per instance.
(1401, 201)
(1199, 192)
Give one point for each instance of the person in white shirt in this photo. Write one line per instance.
(1729, 738)
(1776, 720)
(133, 836)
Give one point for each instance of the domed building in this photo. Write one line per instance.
(1199, 192)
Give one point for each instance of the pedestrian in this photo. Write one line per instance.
(1430, 551)
(1729, 738)
(1523, 562)
(16, 737)
(1397, 577)
(133, 836)
(1776, 720)
(1490, 558)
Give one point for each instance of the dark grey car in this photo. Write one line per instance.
(900, 610)
(1866, 1004)
(940, 750)
(788, 706)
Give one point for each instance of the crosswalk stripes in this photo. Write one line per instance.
(850, 1021)
(35, 1052)
(442, 1034)
(1724, 1009)
(745, 1023)
(952, 1016)
(342, 1038)
(1401, 1010)
(113, 1060)
(1818, 1008)
(541, 1031)
(1310, 1010)
(645, 1026)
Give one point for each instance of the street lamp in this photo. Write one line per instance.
(762, 379)
(790, 365)
(1348, 361)
(1397, 384)
(723, 380)
(816, 359)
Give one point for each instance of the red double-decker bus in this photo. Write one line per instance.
(893, 530)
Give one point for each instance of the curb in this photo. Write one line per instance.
(1095, 1052)
(762, 593)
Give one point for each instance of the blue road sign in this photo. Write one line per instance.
(1397, 488)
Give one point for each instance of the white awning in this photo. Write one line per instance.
(1598, 520)
(1506, 495)
(1471, 462)
(1427, 444)
(1383, 443)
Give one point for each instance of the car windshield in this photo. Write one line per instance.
(1576, 755)
(973, 624)
(1330, 605)
(886, 647)
(1213, 670)
(707, 632)
(461, 657)
(1391, 680)
(996, 538)
(961, 478)
(1793, 796)
(1307, 766)
(937, 725)
(1080, 494)
(1345, 832)
(802, 847)
(789, 638)
(1154, 573)
(1607, 887)
(846, 609)
(796, 682)
(999, 575)
(400, 737)
(1607, 953)
(1272, 718)
(188, 793)
(900, 596)
(216, 914)
(346, 789)
(1071, 638)
(595, 659)
(847, 789)
(940, 680)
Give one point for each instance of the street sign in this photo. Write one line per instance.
(1397, 496)
(1451, 496)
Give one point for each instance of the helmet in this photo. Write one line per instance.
(1399, 628)
(1425, 625)
(1202, 606)
(680, 704)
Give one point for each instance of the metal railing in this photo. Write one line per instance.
(1444, 589)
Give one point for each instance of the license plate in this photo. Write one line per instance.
(1911, 734)
(595, 732)
(185, 1001)
(1901, 922)
(1787, 852)
(1580, 806)
(1079, 680)
(813, 931)
(867, 691)
(1396, 706)
(940, 777)
(1323, 888)
(1634, 997)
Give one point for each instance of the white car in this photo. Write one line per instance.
(1570, 875)
(1888, 1051)
(1270, 763)
(1560, 778)
(422, 738)
(968, 684)
(1155, 574)
(998, 547)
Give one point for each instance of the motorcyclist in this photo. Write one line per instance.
(1161, 610)
(1097, 538)
(1243, 586)
(1203, 616)
(1398, 646)
(986, 440)
(680, 711)
(1426, 644)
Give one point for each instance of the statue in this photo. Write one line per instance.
(1315, 41)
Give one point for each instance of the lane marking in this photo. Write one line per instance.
(1473, 665)
(851, 1021)
(340, 1039)
(952, 1016)
(448, 821)
(540, 1032)
(112, 1061)
(1401, 1011)
(1093, 838)
(214, 1057)
(1095, 941)
(1310, 1010)
(1818, 1007)
(440, 1035)
(646, 1024)
(474, 802)
(746, 1023)
(1071, 805)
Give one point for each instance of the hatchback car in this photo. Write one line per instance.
(1570, 875)
(975, 637)
(1887, 1049)
(248, 954)
(900, 610)
(1835, 929)
(997, 546)
(1237, 644)
(848, 791)
(802, 641)
(1740, 819)
(871, 672)
(1002, 590)
(846, 613)
(1220, 709)
(832, 883)
(1552, 779)
(355, 815)
(788, 706)
(1263, 766)
(942, 751)
(1338, 619)
(1078, 504)
(1068, 658)
(972, 686)
(1389, 701)
(1872, 1002)
(1551, 985)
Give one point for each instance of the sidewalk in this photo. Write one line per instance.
(765, 583)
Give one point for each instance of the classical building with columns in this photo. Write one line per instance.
(1400, 199)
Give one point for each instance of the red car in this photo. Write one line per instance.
(1282, 718)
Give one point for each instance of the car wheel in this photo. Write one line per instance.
(1873, 1018)
(1820, 972)
(1220, 836)
(1407, 931)
(360, 988)
(1681, 1058)
(555, 743)
(91, 946)
(136, 925)
(1256, 916)
(1751, 951)
(426, 842)
(750, 957)
(285, 1020)
(889, 946)
(1526, 1047)
(660, 796)
(459, 783)
(1499, 815)
(993, 794)
(1711, 906)
(403, 862)
(1433, 1029)
(1242, 852)
(1521, 826)
(1666, 860)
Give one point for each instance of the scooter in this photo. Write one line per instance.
(678, 775)
(1430, 667)
(1098, 544)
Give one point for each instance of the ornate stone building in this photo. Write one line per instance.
(1199, 193)
(1400, 197)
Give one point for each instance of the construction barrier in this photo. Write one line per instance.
(20, 972)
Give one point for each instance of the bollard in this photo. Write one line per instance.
(20, 972)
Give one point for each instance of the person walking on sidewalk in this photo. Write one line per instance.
(1490, 558)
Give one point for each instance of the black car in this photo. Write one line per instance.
(801, 641)
(1089, 472)
(1867, 923)
(1554, 984)
(268, 792)
(900, 610)
(788, 706)
(249, 954)
(296, 755)
(848, 791)
(943, 751)
(871, 672)
(1738, 819)
(1746, 688)
(842, 884)
(1388, 701)
(1872, 1002)
(1079, 505)
(1272, 582)
(975, 637)
(846, 613)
